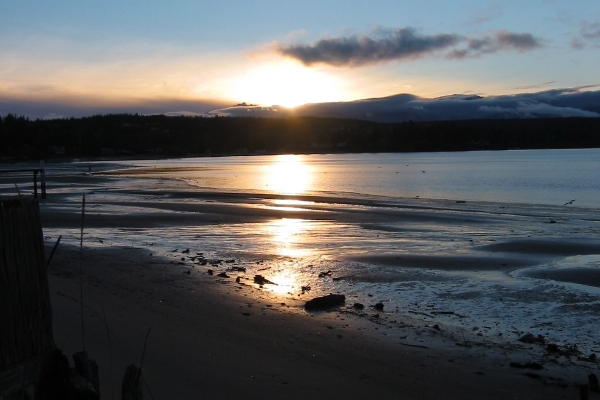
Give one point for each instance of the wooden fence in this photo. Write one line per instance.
(26, 337)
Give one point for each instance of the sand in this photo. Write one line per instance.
(219, 340)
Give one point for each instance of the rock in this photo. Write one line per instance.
(531, 338)
(552, 348)
(593, 383)
(436, 327)
(358, 306)
(324, 302)
(223, 275)
(379, 306)
(186, 251)
(528, 365)
(261, 280)
(210, 271)
(324, 274)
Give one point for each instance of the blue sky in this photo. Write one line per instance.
(79, 58)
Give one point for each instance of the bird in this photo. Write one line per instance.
(569, 202)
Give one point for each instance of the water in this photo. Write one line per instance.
(552, 177)
(486, 235)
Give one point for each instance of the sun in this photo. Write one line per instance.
(286, 84)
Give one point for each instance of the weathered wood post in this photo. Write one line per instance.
(35, 172)
(26, 340)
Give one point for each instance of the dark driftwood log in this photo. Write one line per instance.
(324, 302)
(131, 388)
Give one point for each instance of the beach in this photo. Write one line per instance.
(449, 324)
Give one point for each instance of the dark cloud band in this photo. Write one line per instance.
(403, 44)
(399, 44)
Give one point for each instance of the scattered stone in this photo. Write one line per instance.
(552, 221)
(305, 289)
(246, 314)
(324, 302)
(187, 272)
(552, 348)
(223, 275)
(532, 375)
(210, 271)
(436, 327)
(324, 274)
(593, 383)
(528, 365)
(261, 280)
(359, 306)
(379, 306)
(531, 338)
(186, 251)
(237, 269)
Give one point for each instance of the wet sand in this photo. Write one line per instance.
(219, 339)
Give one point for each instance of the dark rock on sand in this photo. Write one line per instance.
(379, 306)
(359, 306)
(531, 338)
(210, 271)
(324, 302)
(529, 365)
(223, 275)
(261, 280)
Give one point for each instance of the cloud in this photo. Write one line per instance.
(402, 44)
(399, 44)
(502, 40)
(536, 86)
(589, 33)
(535, 109)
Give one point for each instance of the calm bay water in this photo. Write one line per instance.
(550, 177)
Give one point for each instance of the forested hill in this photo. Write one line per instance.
(160, 136)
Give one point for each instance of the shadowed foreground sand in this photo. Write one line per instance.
(214, 340)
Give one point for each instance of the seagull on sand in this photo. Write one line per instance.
(569, 202)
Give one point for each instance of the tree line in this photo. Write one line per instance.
(134, 135)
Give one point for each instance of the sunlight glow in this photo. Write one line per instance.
(289, 175)
(286, 84)
(286, 234)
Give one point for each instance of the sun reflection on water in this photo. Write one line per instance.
(287, 234)
(289, 174)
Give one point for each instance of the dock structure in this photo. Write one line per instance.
(26, 339)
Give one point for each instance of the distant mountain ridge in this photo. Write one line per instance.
(573, 102)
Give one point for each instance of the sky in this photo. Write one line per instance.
(77, 58)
